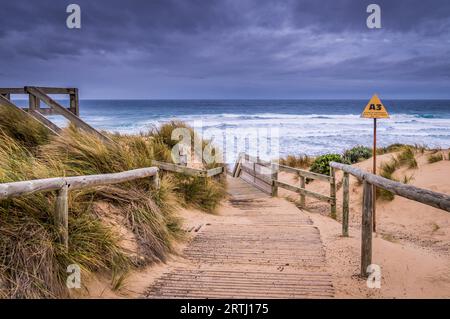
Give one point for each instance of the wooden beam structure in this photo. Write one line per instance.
(38, 93)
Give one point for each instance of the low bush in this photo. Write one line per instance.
(357, 154)
(321, 164)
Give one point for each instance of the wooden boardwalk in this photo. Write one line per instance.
(263, 248)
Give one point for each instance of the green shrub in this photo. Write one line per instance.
(433, 158)
(357, 154)
(321, 164)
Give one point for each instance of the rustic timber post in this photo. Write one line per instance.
(156, 181)
(366, 228)
(302, 195)
(34, 103)
(75, 102)
(333, 193)
(345, 203)
(274, 178)
(62, 215)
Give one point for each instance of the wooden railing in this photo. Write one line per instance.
(36, 95)
(65, 184)
(427, 197)
(269, 182)
(174, 168)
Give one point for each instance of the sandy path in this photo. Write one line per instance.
(261, 247)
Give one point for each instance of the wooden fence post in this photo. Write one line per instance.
(302, 196)
(34, 103)
(274, 178)
(366, 228)
(333, 193)
(75, 103)
(62, 215)
(156, 180)
(345, 203)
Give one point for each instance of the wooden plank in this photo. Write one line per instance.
(333, 193)
(366, 228)
(15, 189)
(66, 113)
(79, 182)
(274, 178)
(237, 166)
(12, 91)
(304, 173)
(46, 111)
(302, 196)
(438, 200)
(180, 169)
(33, 103)
(251, 172)
(62, 215)
(345, 203)
(74, 103)
(38, 116)
(214, 171)
(46, 90)
(304, 191)
(7, 103)
(55, 90)
(266, 188)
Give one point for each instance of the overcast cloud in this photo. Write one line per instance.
(229, 48)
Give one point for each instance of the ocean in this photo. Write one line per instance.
(310, 127)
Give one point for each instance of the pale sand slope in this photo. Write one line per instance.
(413, 241)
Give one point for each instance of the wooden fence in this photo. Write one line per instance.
(427, 197)
(65, 184)
(264, 175)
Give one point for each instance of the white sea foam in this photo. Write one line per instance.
(311, 134)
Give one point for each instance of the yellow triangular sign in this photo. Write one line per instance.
(375, 109)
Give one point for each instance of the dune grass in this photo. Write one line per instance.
(32, 262)
(406, 158)
(299, 161)
(434, 158)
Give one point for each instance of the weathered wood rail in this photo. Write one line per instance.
(424, 196)
(264, 175)
(36, 95)
(174, 168)
(63, 185)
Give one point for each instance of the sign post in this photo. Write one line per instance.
(375, 110)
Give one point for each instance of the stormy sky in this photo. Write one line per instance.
(229, 48)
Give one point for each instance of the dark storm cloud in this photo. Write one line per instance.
(228, 48)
